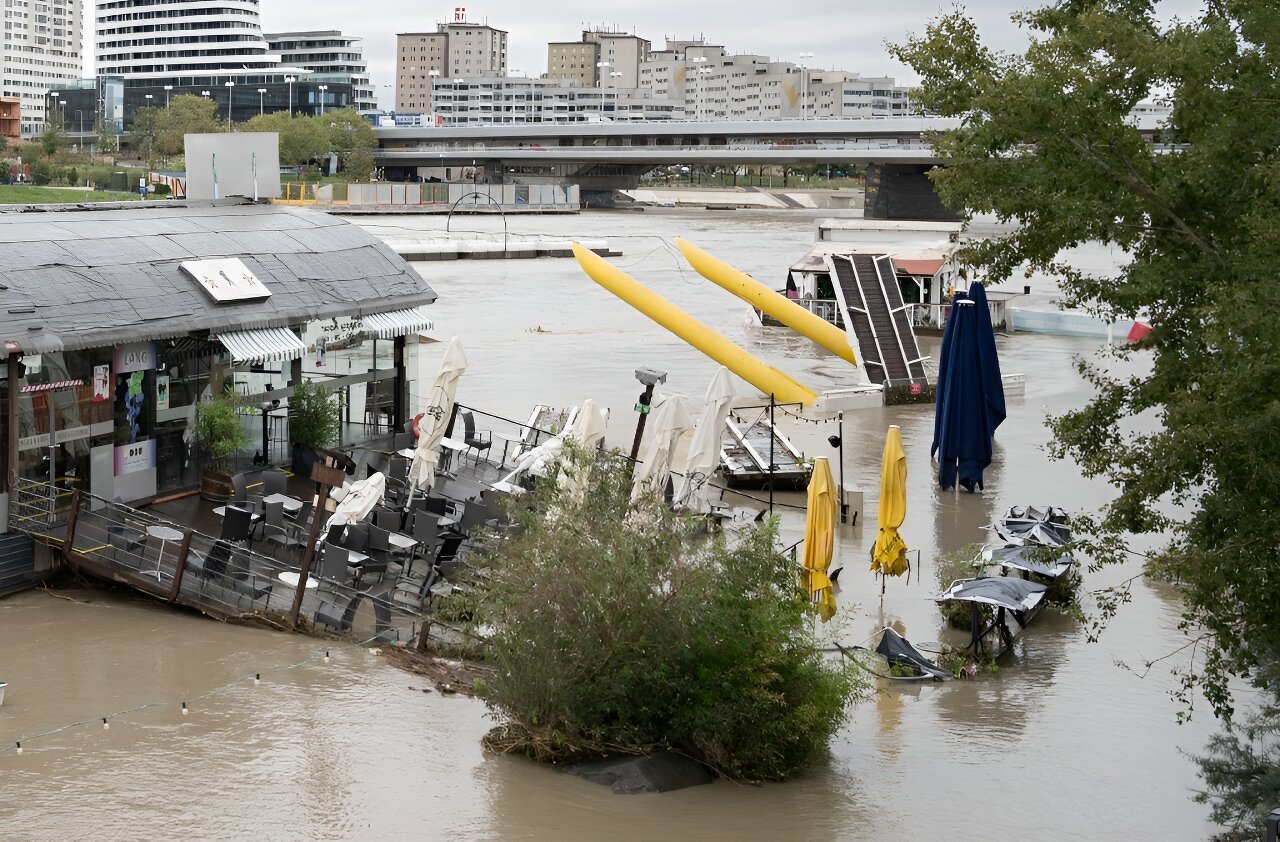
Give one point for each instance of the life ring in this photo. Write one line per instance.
(416, 431)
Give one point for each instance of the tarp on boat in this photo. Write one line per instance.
(1023, 558)
(899, 652)
(1000, 591)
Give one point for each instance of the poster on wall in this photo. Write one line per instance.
(162, 391)
(101, 383)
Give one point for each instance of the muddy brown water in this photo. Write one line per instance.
(1061, 742)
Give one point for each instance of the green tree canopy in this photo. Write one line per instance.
(186, 114)
(614, 623)
(301, 137)
(1047, 142)
(54, 135)
(348, 131)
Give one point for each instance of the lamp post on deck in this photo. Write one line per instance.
(229, 85)
(650, 377)
(322, 89)
(291, 80)
(262, 93)
(167, 90)
(804, 85)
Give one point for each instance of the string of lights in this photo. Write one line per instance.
(16, 746)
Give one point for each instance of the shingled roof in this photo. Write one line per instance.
(77, 277)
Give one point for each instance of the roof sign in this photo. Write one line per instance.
(225, 280)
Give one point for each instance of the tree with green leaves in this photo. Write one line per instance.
(619, 625)
(1047, 142)
(55, 136)
(186, 114)
(301, 137)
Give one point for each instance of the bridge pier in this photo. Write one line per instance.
(903, 191)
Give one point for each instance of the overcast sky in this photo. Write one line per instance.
(842, 34)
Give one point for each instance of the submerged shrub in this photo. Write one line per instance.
(619, 626)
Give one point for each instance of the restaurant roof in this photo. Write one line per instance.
(75, 277)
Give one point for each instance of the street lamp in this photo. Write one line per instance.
(433, 75)
(262, 92)
(804, 85)
(322, 89)
(613, 78)
(167, 89)
(229, 85)
(147, 97)
(291, 80)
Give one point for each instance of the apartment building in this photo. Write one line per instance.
(41, 50)
(500, 100)
(455, 50)
(601, 58)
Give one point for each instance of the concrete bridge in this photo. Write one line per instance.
(603, 157)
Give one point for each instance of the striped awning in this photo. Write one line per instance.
(397, 323)
(259, 346)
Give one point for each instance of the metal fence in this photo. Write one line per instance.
(222, 578)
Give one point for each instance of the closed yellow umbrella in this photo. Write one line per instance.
(889, 557)
(819, 539)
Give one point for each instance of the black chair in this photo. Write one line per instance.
(379, 555)
(475, 513)
(448, 552)
(302, 517)
(335, 533)
(334, 562)
(274, 482)
(402, 441)
(479, 442)
(240, 483)
(389, 519)
(357, 537)
(277, 530)
(237, 524)
(123, 537)
(438, 506)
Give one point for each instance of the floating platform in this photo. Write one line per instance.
(745, 451)
(497, 248)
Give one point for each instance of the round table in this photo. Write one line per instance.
(291, 579)
(165, 534)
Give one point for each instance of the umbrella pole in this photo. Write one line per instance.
(772, 434)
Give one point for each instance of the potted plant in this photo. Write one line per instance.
(314, 421)
(221, 433)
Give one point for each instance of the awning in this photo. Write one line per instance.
(259, 346)
(397, 323)
(927, 266)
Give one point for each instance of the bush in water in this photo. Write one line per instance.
(616, 626)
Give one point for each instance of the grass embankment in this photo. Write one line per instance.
(24, 194)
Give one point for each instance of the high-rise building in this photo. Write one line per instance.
(601, 59)
(41, 50)
(455, 50)
(160, 49)
(330, 56)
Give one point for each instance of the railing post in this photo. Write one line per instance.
(183, 551)
(72, 517)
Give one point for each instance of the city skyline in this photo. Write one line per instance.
(840, 36)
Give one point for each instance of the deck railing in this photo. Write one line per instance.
(228, 580)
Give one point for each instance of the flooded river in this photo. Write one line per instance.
(1061, 742)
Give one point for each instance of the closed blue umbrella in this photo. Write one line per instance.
(992, 384)
(963, 420)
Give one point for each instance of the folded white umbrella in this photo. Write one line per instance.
(435, 417)
(693, 492)
(361, 499)
(670, 421)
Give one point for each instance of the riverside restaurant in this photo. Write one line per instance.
(119, 320)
